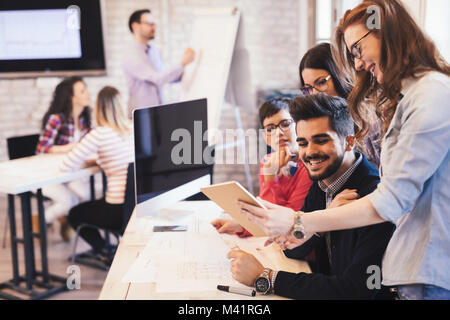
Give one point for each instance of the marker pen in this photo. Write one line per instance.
(243, 291)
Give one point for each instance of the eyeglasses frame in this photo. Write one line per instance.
(279, 126)
(303, 89)
(358, 49)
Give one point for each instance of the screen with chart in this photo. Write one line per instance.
(39, 34)
(51, 37)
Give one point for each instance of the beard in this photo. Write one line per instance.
(328, 172)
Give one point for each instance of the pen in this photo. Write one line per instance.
(243, 291)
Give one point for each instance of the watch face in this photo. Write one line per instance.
(298, 234)
(262, 285)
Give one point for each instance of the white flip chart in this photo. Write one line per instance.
(213, 39)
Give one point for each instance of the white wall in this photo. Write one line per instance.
(437, 24)
(416, 9)
(434, 17)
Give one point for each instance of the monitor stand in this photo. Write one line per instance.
(172, 214)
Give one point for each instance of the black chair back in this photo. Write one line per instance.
(23, 146)
(130, 197)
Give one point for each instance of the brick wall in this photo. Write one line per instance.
(272, 38)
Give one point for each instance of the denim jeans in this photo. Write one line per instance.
(423, 292)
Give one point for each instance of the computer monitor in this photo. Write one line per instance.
(172, 157)
(52, 38)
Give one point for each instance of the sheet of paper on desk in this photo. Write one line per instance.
(187, 261)
(188, 276)
(144, 269)
(145, 226)
(178, 246)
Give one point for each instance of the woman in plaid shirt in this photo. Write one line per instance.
(66, 122)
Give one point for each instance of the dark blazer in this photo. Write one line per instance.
(352, 251)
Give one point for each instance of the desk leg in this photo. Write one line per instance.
(30, 270)
(51, 284)
(12, 225)
(43, 236)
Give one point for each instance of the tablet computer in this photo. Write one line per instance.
(226, 195)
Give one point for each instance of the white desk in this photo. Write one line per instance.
(32, 173)
(134, 240)
(17, 178)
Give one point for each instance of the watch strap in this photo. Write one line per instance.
(298, 217)
(298, 228)
(266, 273)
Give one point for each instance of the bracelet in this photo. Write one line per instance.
(272, 281)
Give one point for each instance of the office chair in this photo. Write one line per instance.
(88, 258)
(20, 147)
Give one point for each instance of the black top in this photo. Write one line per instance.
(352, 251)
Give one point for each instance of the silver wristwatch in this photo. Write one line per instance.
(299, 230)
(263, 283)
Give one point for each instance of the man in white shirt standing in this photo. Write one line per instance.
(144, 69)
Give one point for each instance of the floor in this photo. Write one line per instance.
(91, 280)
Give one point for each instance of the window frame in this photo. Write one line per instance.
(337, 11)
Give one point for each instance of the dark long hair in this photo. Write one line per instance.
(405, 52)
(321, 57)
(61, 103)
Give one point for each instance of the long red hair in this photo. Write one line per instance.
(405, 52)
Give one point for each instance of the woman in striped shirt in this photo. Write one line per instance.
(113, 142)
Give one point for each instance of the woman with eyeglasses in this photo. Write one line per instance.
(319, 74)
(399, 68)
(283, 179)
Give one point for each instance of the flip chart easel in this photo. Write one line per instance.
(220, 71)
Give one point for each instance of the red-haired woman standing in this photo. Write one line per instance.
(398, 67)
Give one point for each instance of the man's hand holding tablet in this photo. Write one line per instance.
(226, 195)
